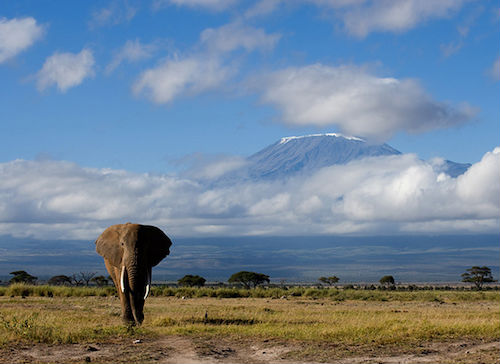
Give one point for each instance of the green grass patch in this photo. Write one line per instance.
(334, 294)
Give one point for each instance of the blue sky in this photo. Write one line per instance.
(139, 89)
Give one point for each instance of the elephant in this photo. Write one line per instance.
(130, 251)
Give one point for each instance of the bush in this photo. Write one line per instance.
(191, 281)
(231, 293)
(387, 281)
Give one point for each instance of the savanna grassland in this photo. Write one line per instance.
(77, 324)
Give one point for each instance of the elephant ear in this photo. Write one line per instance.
(158, 243)
(108, 245)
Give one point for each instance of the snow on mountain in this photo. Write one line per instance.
(337, 135)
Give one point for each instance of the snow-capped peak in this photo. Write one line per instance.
(337, 135)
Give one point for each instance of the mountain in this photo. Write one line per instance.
(452, 169)
(306, 154)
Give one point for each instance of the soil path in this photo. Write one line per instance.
(180, 349)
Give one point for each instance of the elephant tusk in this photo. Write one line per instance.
(122, 280)
(148, 285)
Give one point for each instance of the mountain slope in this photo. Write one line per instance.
(308, 153)
(453, 169)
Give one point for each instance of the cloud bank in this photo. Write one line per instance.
(357, 101)
(382, 195)
(16, 35)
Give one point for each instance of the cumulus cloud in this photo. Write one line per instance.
(174, 77)
(132, 51)
(16, 35)
(205, 70)
(61, 200)
(66, 70)
(361, 17)
(357, 101)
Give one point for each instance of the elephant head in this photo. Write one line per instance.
(129, 252)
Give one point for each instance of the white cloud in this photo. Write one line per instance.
(361, 17)
(188, 76)
(203, 167)
(205, 70)
(118, 11)
(132, 51)
(357, 101)
(236, 35)
(212, 5)
(66, 70)
(486, 170)
(278, 204)
(16, 35)
(382, 195)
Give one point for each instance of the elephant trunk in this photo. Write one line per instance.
(137, 282)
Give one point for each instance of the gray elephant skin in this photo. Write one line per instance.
(130, 251)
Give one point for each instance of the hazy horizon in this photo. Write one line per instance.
(300, 259)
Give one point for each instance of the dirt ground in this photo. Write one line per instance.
(182, 349)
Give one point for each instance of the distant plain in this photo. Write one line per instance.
(416, 258)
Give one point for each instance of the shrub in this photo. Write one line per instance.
(191, 281)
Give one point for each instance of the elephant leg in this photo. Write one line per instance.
(115, 272)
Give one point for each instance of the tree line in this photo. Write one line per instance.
(77, 279)
(476, 275)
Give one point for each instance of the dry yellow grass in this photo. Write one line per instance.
(351, 322)
(91, 319)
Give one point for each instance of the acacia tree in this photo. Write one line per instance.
(248, 279)
(478, 276)
(59, 280)
(21, 276)
(329, 280)
(82, 278)
(192, 281)
(100, 281)
(387, 281)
